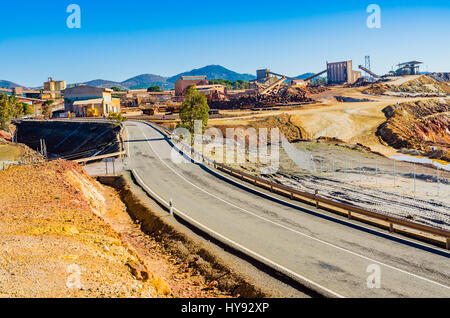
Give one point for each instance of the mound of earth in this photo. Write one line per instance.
(441, 77)
(419, 86)
(55, 242)
(421, 125)
(282, 122)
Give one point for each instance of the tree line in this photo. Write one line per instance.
(12, 108)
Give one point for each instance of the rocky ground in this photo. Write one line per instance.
(352, 174)
(62, 234)
(422, 125)
(413, 86)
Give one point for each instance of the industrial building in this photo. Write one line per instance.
(408, 68)
(90, 101)
(185, 81)
(342, 73)
(52, 85)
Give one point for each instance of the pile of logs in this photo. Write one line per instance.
(287, 97)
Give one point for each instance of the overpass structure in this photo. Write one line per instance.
(333, 256)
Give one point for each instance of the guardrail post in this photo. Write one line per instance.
(316, 192)
(391, 227)
(171, 207)
(292, 195)
(349, 215)
(448, 243)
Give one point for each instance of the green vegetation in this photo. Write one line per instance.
(195, 107)
(11, 107)
(154, 89)
(116, 89)
(320, 81)
(117, 117)
(239, 84)
(47, 109)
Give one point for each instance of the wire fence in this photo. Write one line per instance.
(388, 174)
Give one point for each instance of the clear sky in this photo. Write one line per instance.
(122, 39)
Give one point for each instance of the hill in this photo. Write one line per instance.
(105, 84)
(144, 81)
(214, 72)
(8, 84)
(303, 76)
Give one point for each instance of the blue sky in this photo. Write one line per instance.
(121, 39)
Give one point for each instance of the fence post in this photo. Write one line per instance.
(438, 189)
(349, 215)
(376, 171)
(316, 192)
(360, 170)
(448, 243)
(395, 177)
(414, 178)
(391, 227)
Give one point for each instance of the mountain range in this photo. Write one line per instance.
(146, 80)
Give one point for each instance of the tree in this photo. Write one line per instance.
(154, 89)
(47, 109)
(195, 107)
(116, 89)
(117, 117)
(5, 115)
(11, 107)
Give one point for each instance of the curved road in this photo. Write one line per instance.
(329, 254)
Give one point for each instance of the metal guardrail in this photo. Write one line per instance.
(110, 155)
(352, 212)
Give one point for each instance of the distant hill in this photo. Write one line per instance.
(306, 75)
(214, 72)
(138, 82)
(105, 84)
(144, 81)
(8, 84)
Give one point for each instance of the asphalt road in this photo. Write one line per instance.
(331, 255)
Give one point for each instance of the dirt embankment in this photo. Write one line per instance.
(422, 125)
(282, 122)
(55, 242)
(420, 86)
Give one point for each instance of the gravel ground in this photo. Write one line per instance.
(356, 176)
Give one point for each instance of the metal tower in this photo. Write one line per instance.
(367, 65)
